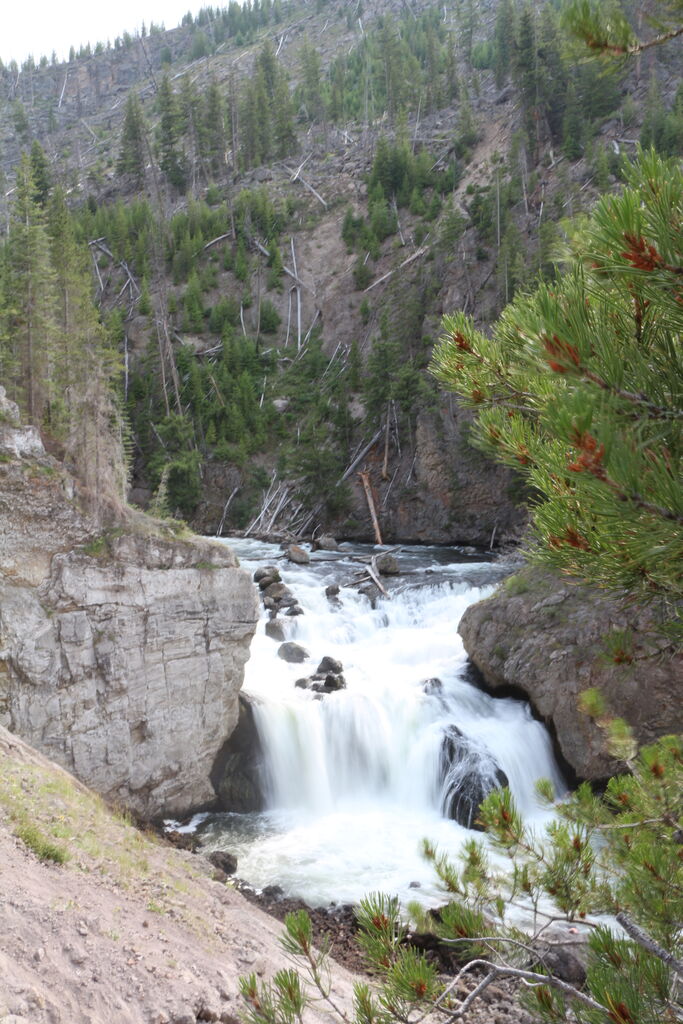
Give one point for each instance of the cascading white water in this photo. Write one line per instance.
(354, 778)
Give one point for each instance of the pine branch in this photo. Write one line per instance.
(654, 411)
(648, 943)
(640, 47)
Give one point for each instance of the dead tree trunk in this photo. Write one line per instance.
(364, 477)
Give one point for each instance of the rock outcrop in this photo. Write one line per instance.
(468, 775)
(551, 640)
(121, 652)
(238, 772)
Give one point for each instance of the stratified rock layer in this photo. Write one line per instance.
(553, 640)
(121, 659)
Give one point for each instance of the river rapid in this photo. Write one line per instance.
(353, 779)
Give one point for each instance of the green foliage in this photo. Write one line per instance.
(270, 318)
(132, 152)
(39, 843)
(618, 853)
(579, 388)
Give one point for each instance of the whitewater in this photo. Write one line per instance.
(352, 778)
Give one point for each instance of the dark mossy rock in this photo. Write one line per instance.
(237, 773)
(468, 774)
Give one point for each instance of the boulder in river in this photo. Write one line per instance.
(291, 652)
(275, 630)
(330, 683)
(328, 664)
(326, 543)
(269, 573)
(387, 564)
(468, 774)
(295, 609)
(295, 553)
(279, 593)
(224, 861)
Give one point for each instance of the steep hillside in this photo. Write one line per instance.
(281, 201)
(101, 922)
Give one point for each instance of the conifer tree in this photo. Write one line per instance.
(169, 135)
(40, 168)
(83, 410)
(30, 282)
(215, 130)
(312, 81)
(133, 153)
(580, 388)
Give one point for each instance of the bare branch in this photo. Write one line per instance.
(647, 942)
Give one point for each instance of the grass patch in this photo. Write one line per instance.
(43, 847)
(97, 547)
(515, 585)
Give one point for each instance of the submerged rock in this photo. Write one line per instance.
(468, 774)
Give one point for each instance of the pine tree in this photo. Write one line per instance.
(571, 128)
(133, 151)
(617, 854)
(580, 389)
(504, 36)
(83, 410)
(169, 135)
(215, 130)
(30, 281)
(312, 93)
(40, 169)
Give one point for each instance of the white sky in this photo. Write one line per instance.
(38, 27)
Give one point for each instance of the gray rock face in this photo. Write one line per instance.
(552, 640)
(14, 439)
(237, 773)
(123, 665)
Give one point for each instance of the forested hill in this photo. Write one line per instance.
(271, 206)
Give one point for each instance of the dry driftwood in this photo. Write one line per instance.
(359, 458)
(364, 477)
(385, 277)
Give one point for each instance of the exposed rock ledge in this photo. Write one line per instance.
(121, 659)
(549, 639)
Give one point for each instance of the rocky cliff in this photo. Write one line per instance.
(121, 652)
(551, 640)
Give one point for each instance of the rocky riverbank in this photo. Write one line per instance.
(549, 639)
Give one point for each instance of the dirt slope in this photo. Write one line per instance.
(128, 931)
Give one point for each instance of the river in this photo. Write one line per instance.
(354, 778)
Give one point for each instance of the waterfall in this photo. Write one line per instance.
(355, 778)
